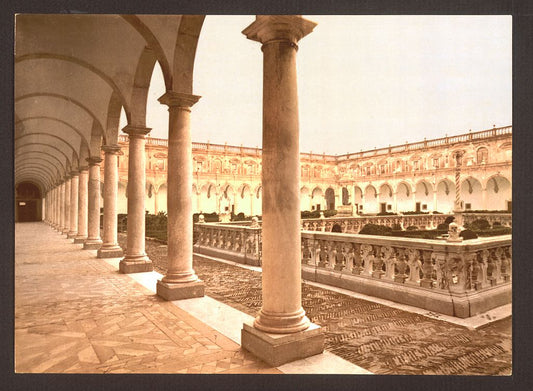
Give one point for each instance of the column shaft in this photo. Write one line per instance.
(83, 202)
(282, 311)
(180, 281)
(110, 247)
(66, 227)
(136, 259)
(62, 208)
(93, 241)
(74, 185)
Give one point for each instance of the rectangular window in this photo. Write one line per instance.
(468, 206)
(389, 207)
(424, 207)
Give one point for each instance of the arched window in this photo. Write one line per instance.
(482, 155)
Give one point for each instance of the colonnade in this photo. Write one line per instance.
(281, 332)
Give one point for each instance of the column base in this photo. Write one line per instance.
(80, 239)
(187, 290)
(279, 349)
(64, 231)
(72, 235)
(92, 244)
(136, 265)
(109, 252)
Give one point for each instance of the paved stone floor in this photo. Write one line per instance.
(381, 339)
(77, 314)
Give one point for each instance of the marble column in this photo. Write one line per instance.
(457, 205)
(83, 202)
(281, 332)
(136, 259)
(61, 207)
(55, 204)
(180, 281)
(93, 241)
(110, 247)
(73, 219)
(66, 227)
(58, 206)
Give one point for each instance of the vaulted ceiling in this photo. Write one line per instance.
(74, 74)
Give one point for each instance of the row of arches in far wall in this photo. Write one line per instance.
(494, 193)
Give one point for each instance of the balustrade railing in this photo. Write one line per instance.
(471, 265)
(355, 224)
(437, 275)
(234, 242)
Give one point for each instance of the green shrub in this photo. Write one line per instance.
(449, 220)
(479, 224)
(375, 229)
(442, 227)
(412, 228)
(468, 234)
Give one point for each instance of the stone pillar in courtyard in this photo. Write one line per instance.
(281, 332)
(83, 202)
(457, 205)
(66, 228)
(54, 207)
(110, 247)
(73, 219)
(180, 281)
(93, 241)
(136, 260)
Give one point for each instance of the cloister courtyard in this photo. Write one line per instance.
(142, 249)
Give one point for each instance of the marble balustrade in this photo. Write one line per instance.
(459, 279)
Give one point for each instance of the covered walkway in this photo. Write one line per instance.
(75, 313)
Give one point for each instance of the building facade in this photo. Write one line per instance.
(412, 177)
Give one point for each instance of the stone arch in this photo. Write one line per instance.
(498, 193)
(305, 198)
(386, 196)
(424, 196)
(345, 196)
(404, 197)
(317, 199)
(28, 201)
(371, 201)
(330, 198)
(445, 196)
(471, 194)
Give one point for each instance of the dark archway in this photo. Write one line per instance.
(28, 202)
(330, 199)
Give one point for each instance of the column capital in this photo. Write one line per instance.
(133, 131)
(178, 99)
(74, 173)
(83, 168)
(94, 160)
(268, 28)
(67, 177)
(113, 149)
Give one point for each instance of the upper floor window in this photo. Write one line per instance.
(436, 162)
(482, 155)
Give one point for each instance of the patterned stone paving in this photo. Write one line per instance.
(381, 339)
(83, 316)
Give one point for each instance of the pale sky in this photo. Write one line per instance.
(363, 81)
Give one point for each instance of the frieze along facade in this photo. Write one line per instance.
(404, 178)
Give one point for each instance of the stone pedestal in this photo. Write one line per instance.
(180, 281)
(93, 241)
(110, 247)
(279, 349)
(281, 312)
(180, 291)
(135, 259)
(83, 200)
